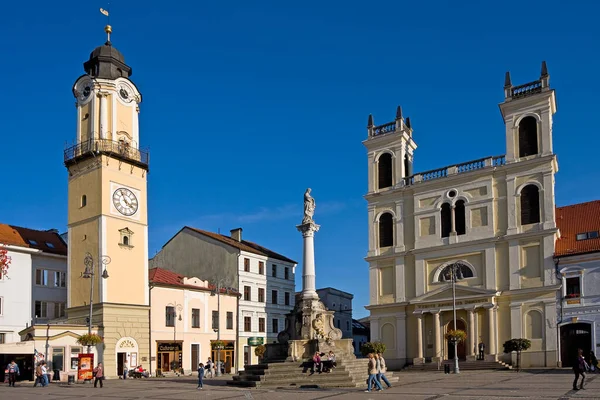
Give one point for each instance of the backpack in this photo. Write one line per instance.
(38, 371)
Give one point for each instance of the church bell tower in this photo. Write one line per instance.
(107, 210)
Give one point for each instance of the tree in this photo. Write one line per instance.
(372, 347)
(517, 345)
(5, 261)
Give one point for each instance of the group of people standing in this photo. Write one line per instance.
(376, 370)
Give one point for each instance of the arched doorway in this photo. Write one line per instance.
(573, 337)
(126, 353)
(461, 347)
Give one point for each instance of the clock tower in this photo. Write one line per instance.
(107, 211)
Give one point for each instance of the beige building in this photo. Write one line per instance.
(494, 218)
(185, 320)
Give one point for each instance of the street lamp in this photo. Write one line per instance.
(454, 273)
(218, 285)
(89, 273)
(176, 307)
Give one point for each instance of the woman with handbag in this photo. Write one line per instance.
(98, 374)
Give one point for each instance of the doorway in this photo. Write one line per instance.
(461, 346)
(121, 359)
(573, 337)
(195, 356)
(164, 362)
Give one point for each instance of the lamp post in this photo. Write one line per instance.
(89, 273)
(176, 308)
(455, 274)
(218, 286)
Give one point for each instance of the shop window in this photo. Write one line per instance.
(58, 358)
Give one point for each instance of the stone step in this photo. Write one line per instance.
(463, 365)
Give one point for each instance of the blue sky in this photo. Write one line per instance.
(246, 105)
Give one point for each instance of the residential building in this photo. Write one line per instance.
(34, 290)
(340, 302)
(184, 320)
(492, 220)
(577, 260)
(360, 336)
(264, 278)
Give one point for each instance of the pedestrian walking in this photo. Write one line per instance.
(372, 370)
(579, 368)
(125, 370)
(98, 375)
(39, 376)
(209, 368)
(45, 379)
(481, 347)
(200, 375)
(13, 372)
(381, 370)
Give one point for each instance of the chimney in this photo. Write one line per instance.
(236, 234)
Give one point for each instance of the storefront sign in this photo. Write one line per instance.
(255, 341)
(169, 347)
(227, 344)
(85, 367)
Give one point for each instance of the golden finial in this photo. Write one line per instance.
(108, 30)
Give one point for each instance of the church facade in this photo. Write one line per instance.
(490, 220)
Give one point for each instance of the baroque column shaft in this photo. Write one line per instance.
(472, 342)
(420, 336)
(492, 330)
(437, 343)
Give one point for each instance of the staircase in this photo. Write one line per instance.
(462, 365)
(349, 373)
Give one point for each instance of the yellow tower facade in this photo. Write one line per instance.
(107, 212)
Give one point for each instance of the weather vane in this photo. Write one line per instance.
(107, 28)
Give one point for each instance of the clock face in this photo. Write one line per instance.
(125, 201)
(125, 92)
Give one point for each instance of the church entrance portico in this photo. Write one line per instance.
(475, 315)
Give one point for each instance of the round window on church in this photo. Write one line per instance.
(452, 193)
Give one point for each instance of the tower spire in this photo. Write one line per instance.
(507, 81)
(370, 121)
(544, 72)
(107, 28)
(399, 112)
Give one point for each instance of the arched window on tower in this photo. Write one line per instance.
(459, 218)
(528, 140)
(530, 205)
(384, 168)
(386, 230)
(446, 220)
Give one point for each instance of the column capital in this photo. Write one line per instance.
(308, 229)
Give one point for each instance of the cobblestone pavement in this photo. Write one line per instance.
(469, 385)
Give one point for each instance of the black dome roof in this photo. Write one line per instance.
(107, 62)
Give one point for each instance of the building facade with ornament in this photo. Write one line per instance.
(488, 222)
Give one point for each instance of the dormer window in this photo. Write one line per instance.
(50, 245)
(126, 236)
(588, 235)
(32, 242)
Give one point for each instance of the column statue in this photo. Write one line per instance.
(309, 207)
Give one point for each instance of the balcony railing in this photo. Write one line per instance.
(385, 128)
(488, 162)
(119, 150)
(526, 90)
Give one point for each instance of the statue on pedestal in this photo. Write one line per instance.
(309, 207)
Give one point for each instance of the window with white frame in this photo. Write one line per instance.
(59, 310)
(41, 309)
(573, 286)
(60, 279)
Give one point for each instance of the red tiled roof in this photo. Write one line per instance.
(244, 245)
(47, 241)
(574, 219)
(170, 278)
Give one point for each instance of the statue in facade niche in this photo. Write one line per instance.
(309, 207)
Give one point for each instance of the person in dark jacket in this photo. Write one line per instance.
(579, 368)
(13, 372)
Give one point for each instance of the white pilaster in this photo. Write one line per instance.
(420, 277)
(514, 263)
(399, 230)
(374, 329)
(400, 280)
(103, 115)
(548, 206)
(511, 201)
(491, 330)
(490, 267)
(373, 284)
(371, 170)
(400, 162)
(372, 244)
(516, 320)
(401, 336)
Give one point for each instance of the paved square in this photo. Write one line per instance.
(469, 385)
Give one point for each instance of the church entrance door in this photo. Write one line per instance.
(461, 347)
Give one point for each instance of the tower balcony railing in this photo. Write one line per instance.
(117, 149)
(517, 92)
(487, 162)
